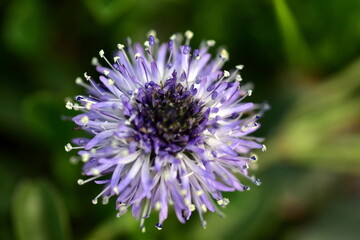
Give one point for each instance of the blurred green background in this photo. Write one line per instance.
(303, 57)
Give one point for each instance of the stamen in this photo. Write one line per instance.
(210, 43)
(240, 67)
(88, 78)
(95, 200)
(94, 61)
(238, 78)
(68, 147)
(224, 54)
(143, 215)
(69, 105)
(82, 182)
(188, 35)
(263, 148)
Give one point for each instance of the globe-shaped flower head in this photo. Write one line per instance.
(169, 129)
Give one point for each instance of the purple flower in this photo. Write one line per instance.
(169, 129)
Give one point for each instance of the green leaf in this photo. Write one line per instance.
(38, 212)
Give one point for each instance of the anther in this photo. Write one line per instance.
(94, 61)
(224, 54)
(189, 34)
(249, 92)
(101, 53)
(226, 73)
(263, 148)
(80, 181)
(78, 81)
(203, 208)
(173, 37)
(87, 77)
(111, 82)
(105, 200)
(116, 58)
(223, 202)
(157, 206)
(152, 32)
(116, 190)
(106, 72)
(210, 43)
(238, 78)
(95, 171)
(85, 157)
(84, 120)
(246, 188)
(257, 182)
(240, 67)
(120, 46)
(69, 105)
(68, 147)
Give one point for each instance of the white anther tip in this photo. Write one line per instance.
(94, 61)
(238, 78)
(106, 72)
(111, 82)
(157, 206)
(210, 43)
(189, 34)
(249, 92)
(152, 32)
(85, 157)
(87, 77)
(68, 147)
(173, 37)
(120, 46)
(78, 81)
(101, 53)
(224, 54)
(263, 148)
(226, 73)
(240, 67)
(84, 120)
(80, 181)
(95, 172)
(94, 201)
(116, 58)
(69, 105)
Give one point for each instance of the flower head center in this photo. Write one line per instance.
(168, 117)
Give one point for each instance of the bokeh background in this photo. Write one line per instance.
(303, 57)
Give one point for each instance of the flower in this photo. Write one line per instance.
(169, 128)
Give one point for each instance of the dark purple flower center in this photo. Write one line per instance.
(168, 117)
